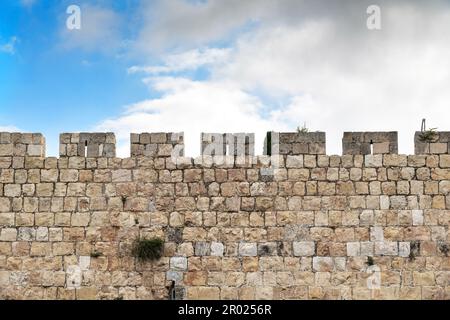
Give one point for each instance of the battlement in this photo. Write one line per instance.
(157, 144)
(295, 143)
(370, 143)
(435, 143)
(22, 144)
(172, 144)
(294, 223)
(91, 145)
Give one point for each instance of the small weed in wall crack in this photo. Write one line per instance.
(96, 254)
(370, 261)
(429, 135)
(148, 249)
(303, 129)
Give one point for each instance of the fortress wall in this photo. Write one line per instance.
(296, 224)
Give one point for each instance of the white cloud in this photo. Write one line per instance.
(179, 23)
(192, 107)
(10, 47)
(9, 128)
(368, 81)
(191, 23)
(324, 67)
(189, 60)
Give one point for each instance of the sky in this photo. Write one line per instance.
(224, 66)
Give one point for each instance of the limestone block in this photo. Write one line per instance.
(12, 190)
(121, 175)
(5, 205)
(426, 278)
(68, 175)
(353, 249)
(35, 150)
(42, 234)
(367, 248)
(158, 138)
(381, 147)
(176, 276)
(373, 161)
(438, 148)
(7, 219)
(404, 249)
(303, 248)
(86, 293)
(6, 149)
(323, 264)
(386, 248)
(44, 189)
(4, 278)
(178, 263)
(444, 161)
(63, 248)
(8, 234)
(84, 262)
(217, 249)
(73, 277)
(294, 161)
(376, 234)
(247, 249)
(80, 219)
(417, 217)
(202, 248)
(394, 160)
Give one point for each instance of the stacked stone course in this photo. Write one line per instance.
(157, 144)
(438, 144)
(356, 226)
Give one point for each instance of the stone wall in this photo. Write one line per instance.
(304, 226)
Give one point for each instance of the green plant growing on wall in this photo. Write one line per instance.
(370, 261)
(302, 129)
(148, 249)
(428, 136)
(96, 254)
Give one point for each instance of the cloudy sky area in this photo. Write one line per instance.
(224, 66)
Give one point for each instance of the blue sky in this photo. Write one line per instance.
(227, 66)
(53, 89)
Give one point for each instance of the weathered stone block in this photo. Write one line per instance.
(217, 249)
(8, 234)
(362, 143)
(247, 249)
(323, 264)
(353, 249)
(5, 205)
(303, 248)
(386, 248)
(178, 263)
(202, 248)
